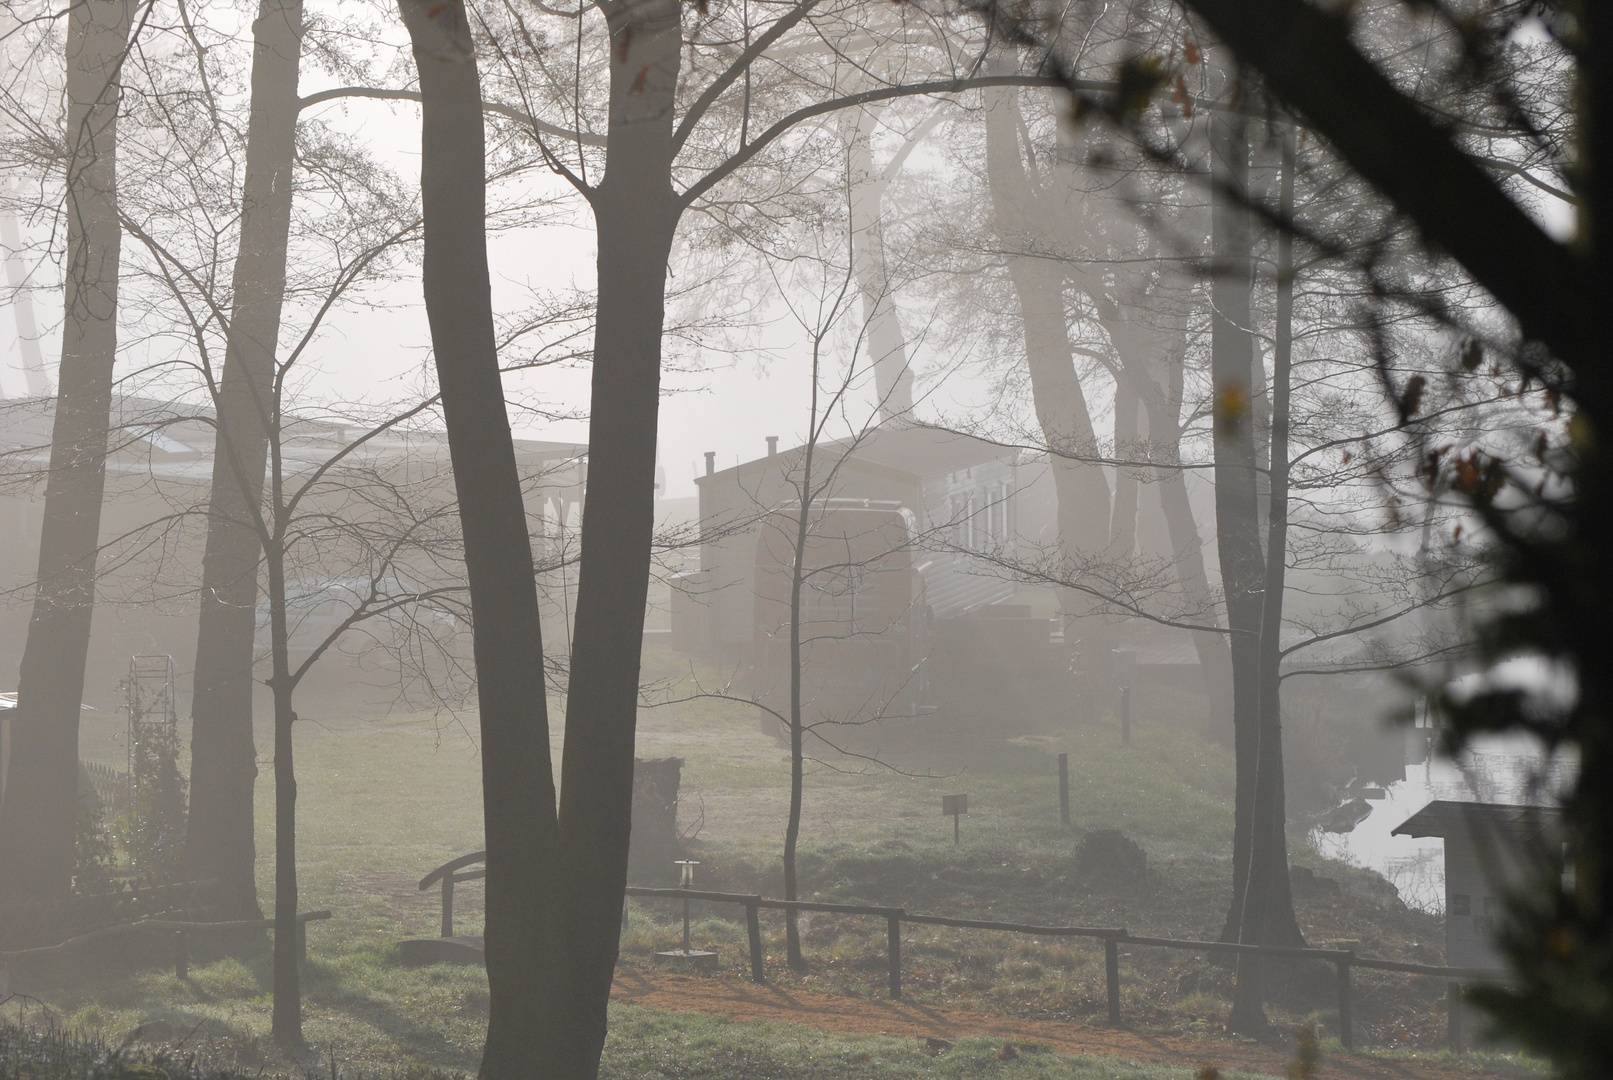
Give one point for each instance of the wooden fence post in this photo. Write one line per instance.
(1111, 964)
(753, 927)
(1064, 789)
(1346, 1028)
(893, 934)
(1453, 1009)
(448, 905)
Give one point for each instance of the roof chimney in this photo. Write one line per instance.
(772, 446)
(711, 462)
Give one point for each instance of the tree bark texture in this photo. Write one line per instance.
(529, 1011)
(37, 823)
(219, 842)
(1061, 407)
(635, 213)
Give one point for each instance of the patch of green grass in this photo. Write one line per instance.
(642, 1044)
(383, 801)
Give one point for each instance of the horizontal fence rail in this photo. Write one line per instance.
(181, 930)
(1343, 960)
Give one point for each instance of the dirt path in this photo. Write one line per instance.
(899, 1019)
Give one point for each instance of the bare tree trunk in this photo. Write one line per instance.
(286, 979)
(1268, 911)
(792, 830)
(38, 821)
(529, 1030)
(1061, 408)
(798, 572)
(1142, 350)
(219, 842)
(636, 213)
(1187, 546)
(1123, 515)
(887, 345)
(22, 309)
(1236, 510)
(1257, 913)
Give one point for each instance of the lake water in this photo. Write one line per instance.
(1500, 770)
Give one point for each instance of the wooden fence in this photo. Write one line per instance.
(180, 931)
(111, 786)
(1344, 961)
(29, 924)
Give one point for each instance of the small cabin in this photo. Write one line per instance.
(1489, 848)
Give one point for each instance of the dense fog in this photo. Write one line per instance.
(801, 537)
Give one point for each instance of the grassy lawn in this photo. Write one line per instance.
(382, 801)
(676, 1046)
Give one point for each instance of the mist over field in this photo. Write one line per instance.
(802, 537)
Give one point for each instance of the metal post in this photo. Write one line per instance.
(893, 934)
(1453, 1009)
(1346, 1026)
(1125, 716)
(1064, 788)
(448, 905)
(685, 926)
(181, 955)
(753, 926)
(956, 832)
(1111, 964)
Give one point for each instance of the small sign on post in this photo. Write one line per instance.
(957, 806)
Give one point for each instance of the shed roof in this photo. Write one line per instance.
(908, 449)
(1446, 817)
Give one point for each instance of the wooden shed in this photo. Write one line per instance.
(1489, 847)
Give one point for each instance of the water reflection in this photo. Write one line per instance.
(1509, 769)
